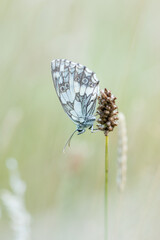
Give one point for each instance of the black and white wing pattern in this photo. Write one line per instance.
(77, 88)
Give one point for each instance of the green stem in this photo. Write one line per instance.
(106, 190)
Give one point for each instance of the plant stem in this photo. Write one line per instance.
(106, 190)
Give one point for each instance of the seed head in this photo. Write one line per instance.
(107, 111)
(122, 152)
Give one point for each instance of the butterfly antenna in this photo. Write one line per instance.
(69, 140)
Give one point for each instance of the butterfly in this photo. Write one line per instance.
(77, 88)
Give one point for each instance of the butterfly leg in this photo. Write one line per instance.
(93, 130)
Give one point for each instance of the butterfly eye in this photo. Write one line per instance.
(85, 81)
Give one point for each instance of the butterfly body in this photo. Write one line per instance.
(87, 123)
(77, 88)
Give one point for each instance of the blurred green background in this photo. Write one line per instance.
(120, 41)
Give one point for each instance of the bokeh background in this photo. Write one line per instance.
(120, 41)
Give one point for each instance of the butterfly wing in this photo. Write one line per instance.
(76, 87)
(88, 92)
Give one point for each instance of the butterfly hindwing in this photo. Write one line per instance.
(77, 88)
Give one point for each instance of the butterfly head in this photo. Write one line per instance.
(87, 123)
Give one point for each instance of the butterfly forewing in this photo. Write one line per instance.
(77, 88)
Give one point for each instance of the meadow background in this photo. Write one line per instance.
(120, 41)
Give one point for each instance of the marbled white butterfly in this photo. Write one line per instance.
(77, 88)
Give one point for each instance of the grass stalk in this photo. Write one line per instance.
(107, 111)
(106, 191)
